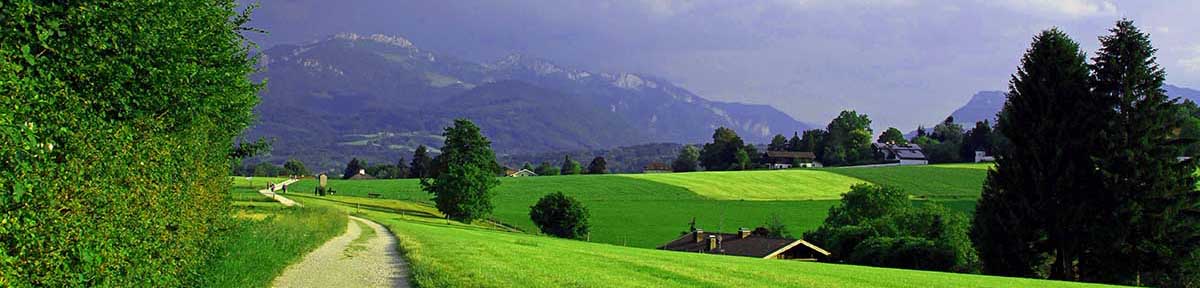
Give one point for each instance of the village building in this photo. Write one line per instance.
(361, 175)
(789, 159)
(656, 167)
(746, 243)
(906, 154)
(981, 156)
(520, 173)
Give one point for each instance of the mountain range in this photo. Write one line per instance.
(378, 97)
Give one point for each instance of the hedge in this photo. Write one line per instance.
(116, 122)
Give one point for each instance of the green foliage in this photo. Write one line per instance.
(1038, 205)
(776, 228)
(295, 168)
(945, 145)
(353, 168)
(560, 216)
(598, 166)
(742, 160)
(117, 128)
(265, 240)
(422, 164)
(722, 153)
(547, 169)
(265, 169)
(464, 191)
(892, 135)
(527, 166)
(570, 167)
(778, 143)
(847, 140)
(688, 159)
(1155, 228)
(879, 226)
(979, 138)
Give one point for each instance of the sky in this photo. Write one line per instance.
(903, 62)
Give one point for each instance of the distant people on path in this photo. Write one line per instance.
(284, 188)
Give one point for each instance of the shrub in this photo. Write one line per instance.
(117, 128)
(560, 216)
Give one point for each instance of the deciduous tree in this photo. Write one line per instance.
(464, 190)
(560, 216)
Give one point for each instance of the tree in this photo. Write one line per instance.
(464, 190)
(1037, 202)
(570, 167)
(813, 141)
(560, 216)
(775, 228)
(353, 167)
(266, 169)
(721, 154)
(949, 145)
(794, 143)
(527, 166)
(547, 169)
(688, 159)
(921, 132)
(892, 135)
(848, 140)
(979, 138)
(295, 168)
(1151, 237)
(402, 169)
(422, 164)
(778, 143)
(743, 160)
(598, 166)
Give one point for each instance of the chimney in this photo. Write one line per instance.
(712, 243)
(743, 233)
(699, 235)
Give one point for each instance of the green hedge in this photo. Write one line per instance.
(116, 122)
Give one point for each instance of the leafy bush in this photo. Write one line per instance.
(117, 128)
(560, 216)
(879, 226)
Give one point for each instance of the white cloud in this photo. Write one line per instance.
(1055, 8)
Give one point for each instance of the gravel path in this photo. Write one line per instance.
(282, 200)
(343, 263)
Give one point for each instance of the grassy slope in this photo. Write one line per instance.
(267, 237)
(451, 254)
(952, 181)
(794, 184)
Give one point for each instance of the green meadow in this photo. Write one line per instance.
(450, 254)
(647, 210)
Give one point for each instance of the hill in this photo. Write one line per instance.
(647, 210)
(449, 254)
(377, 97)
(986, 104)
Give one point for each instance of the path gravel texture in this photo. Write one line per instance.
(342, 263)
(282, 200)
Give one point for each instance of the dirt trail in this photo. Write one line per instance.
(347, 261)
(282, 200)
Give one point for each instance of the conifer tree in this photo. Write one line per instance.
(422, 164)
(1147, 236)
(1036, 203)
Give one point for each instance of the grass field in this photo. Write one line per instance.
(451, 254)
(647, 210)
(267, 237)
(794, 184)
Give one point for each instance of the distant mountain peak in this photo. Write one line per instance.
(522, 61)
(380, 38)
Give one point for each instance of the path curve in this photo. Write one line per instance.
(375, 263)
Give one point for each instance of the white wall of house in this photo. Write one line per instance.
(913, 162)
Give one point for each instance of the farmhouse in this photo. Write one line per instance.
(745, 243)
(362, 175)
(789, 159)
(656, 167)
(908, 154)
(981, 156)
(520, 173)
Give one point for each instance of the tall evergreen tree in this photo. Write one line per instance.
(464, 190)
(1036, 202)
(1149, 236)
(794, 144)
(570, 167)
(422, 164)
(778, 143)
(598, 166)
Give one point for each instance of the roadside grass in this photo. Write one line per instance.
(952, 181)
(458, 255)
(759, 185)
(359, 243)
(266, 238)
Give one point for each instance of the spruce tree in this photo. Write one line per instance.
(1147, 237)
(570, 167)
(353, 167)
(598, 166)
(422, 164)
(464, 190)
(1036, 204)
(794, 144)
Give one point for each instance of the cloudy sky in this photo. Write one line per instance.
(904, 62)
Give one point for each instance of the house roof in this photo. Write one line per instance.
(906, 152)
(791, 155)
(732, 244)
(361, 177)
(522, 172)
(657, 166)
